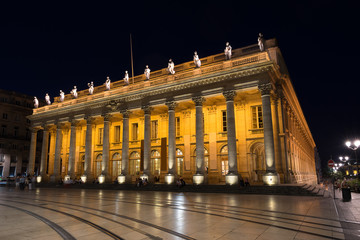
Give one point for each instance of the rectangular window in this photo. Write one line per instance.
(117, 134)
(257, 118)
(101, 131)
(224, 121)
(154, 129)
(135, 131)
(177, 126)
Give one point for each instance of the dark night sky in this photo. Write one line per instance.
(53, 46)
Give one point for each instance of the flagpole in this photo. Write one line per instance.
(132, 61)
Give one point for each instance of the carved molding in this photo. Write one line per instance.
(198, 100)
(229, 95)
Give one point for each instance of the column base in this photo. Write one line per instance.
(198, 179)
(271, 178)
(232, 179)
(169, 178)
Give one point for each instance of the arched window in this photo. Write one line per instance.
(180, 161)
(134, 163)
(224, 160)
(116, 165)
(98, 162)
(155, 162)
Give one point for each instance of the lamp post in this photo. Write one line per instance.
(354, 146)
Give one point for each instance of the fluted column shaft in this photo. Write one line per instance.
(147, 140)
(125, 144)
(88, 149)
(106, 147)
(268, 127)
(199, 162)
(72, 149)
(44, 153)
(172, 140)
(58, 143)
(32, 152)
(231, 131)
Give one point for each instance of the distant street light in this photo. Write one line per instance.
(354, 146)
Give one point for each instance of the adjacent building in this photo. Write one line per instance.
(15, 133)
(218, 123)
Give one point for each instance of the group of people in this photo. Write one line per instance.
(170, 69)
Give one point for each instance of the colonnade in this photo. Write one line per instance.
(200, 176)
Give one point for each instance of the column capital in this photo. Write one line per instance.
(265, 88)
(171, 105)
(125, 113)
(198, 100)
(229, 95)
(89, 119)
(146, 108)
(106, 117)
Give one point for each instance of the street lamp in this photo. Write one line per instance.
(354, 146)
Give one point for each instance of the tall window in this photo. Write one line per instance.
(135, 130)
(177, 126)
(155, 162)
(116, 165)
(224, 122)
(117, 134)
(257, 117)
(101, 132)
(154, 129)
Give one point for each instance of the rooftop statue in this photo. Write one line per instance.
(171, 67)
(36, 102)
(147, 72)
(62, 96)
(74, 92)
(47, 99)
(261, 42)
(197, 60)
(126, 78)
(91, 88)
(227, 51)
(107, 83)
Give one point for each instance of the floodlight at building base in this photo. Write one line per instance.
(121, 179)
(66, 178)
(231, 179)
(198, 179)
(169, 178)
(101, 179)
(271, 179)
(38, 179)
(144, 176)
(83, 178)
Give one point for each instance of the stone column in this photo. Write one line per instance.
(56, 175)
(232, 177)
(170, 177)
(88, 151)
(72, 150)
(44, 154)
(106, 148)
(125, 177)
(32, 152)
(199, 177)
(271, 177)
(147, 143)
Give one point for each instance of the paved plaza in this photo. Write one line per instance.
(49, 213)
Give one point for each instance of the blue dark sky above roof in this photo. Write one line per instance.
(53, 46)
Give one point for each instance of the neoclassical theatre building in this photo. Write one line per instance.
(228, 119)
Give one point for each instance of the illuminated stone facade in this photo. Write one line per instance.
(214, 124)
